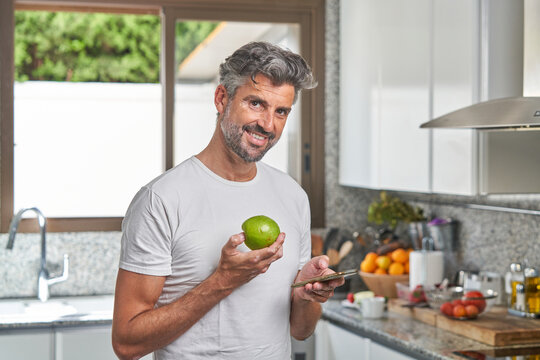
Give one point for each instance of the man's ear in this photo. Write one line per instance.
(220, 99)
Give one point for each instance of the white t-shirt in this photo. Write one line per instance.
(176, 226)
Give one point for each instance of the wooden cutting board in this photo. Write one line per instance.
(496, 327)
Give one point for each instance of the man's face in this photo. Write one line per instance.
(254, 119)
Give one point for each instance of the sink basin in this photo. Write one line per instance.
(81, 307)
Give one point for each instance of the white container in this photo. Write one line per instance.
(425, 268)
(372, 308)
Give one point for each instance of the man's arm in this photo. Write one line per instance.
(305, 303)
(139, 329)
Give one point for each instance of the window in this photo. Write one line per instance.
(162, 146)
(196, 79)
(87, 121)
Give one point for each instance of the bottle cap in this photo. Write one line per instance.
(516, 267)
(531, 272)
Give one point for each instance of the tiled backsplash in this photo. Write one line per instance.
(487, 240)
(93, 258)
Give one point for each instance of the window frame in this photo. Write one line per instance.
(309, 14)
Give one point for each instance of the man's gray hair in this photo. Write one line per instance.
(279, 65)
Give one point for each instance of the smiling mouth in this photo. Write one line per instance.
(256, 136)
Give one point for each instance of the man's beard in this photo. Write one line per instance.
(233, 138)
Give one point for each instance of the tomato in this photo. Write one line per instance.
(457, 302)
(471, 310)
(350, 297)
(479, 303)
(417, 295)
(459, 311)
(447, 309)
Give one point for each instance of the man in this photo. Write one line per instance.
(186, 288)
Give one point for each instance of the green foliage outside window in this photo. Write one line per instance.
(61, 46)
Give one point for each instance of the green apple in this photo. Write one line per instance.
(260, 232)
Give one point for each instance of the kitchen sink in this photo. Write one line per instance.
(76, 307)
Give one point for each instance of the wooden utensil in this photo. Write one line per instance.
(333, 256)
(345, 249)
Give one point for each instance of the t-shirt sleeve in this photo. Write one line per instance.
(146, 236)
(305, 241)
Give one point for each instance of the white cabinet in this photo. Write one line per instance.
(384, 94)
(81, 343)
(28, 345)
(455, 59)
(404, 62)
(377, 352)
(84, 344)
(334, 343)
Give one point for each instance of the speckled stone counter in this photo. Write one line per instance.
(24, 314)
(60, 322)
(401, 333)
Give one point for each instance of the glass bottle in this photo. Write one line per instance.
(532, 289)
(520, 297)
(516, 277)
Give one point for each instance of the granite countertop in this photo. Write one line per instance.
(56, 312)
(401, 333)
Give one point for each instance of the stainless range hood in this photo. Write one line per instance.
(516, 113)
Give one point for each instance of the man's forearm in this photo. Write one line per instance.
(304, 317)
(156, 328)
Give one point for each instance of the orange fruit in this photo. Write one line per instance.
(383, 261)
(371, 256)
(380, 271)
(400, 256)
(396, 268)
(406, 266)
(368, 266)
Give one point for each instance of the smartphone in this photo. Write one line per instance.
(337, 275)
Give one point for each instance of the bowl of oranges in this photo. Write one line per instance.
(381, 272)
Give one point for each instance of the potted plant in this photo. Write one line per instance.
(390, 210)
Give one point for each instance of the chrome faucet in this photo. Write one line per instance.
(43, 277)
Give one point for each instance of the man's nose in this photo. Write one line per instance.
(266, 121)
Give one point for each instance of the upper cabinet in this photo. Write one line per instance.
(455, 48)
(384, 94)
(404, 62)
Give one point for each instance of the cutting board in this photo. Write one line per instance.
(496, 327)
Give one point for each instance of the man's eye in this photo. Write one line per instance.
(255, 103)
(283, 112)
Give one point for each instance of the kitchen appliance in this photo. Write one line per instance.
(508, 113)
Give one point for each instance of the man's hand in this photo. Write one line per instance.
(236, 268)
(318, 291)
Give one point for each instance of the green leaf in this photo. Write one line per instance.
(60, 46)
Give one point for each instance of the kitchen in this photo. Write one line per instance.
(489, 240)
